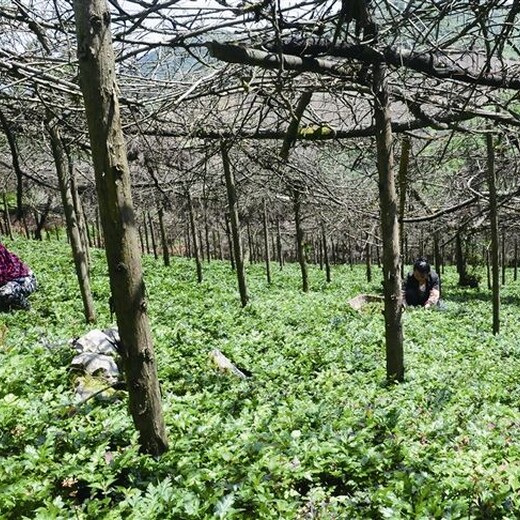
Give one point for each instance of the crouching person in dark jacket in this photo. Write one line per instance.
(422, 287)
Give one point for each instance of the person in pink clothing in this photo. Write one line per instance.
(17, 281)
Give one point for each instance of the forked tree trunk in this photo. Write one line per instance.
(98, 84)
(493, 222)
(389, 228)
(235, 225)
(76, 242)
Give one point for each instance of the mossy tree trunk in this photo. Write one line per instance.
(100, 93)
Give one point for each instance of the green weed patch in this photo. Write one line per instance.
(314, 432)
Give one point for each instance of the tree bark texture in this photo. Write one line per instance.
(100, 93)
(493, 222)
(389, 228)
(76, 242)
(235, 225)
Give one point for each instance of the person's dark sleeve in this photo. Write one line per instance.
(435, 291)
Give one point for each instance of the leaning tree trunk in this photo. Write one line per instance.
(235, 225)
(389, 228)
(76, 242)
(98, 84)
(7, 216)
(493, 221)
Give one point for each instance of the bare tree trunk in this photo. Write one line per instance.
(515, 270)
(16, 164)
(325, 253)
(300, 246)
(403, 171)
(207, 233)
(77, 245)
(195, 245)
(99, 87)
(152, 236)
(279, 247)
(235, 224)
(437, 252)
(493, 222)
(389, 228)
(100, 238)
(266, 244)
(250, 243)
(42, 219)
(488, 271)
(78, 208)
(164, 241)
(230, 242)
(368, 260)
(461, 261)
(503, 257)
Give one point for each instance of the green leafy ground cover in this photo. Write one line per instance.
(314, 433)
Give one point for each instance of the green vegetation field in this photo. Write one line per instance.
(313, 433)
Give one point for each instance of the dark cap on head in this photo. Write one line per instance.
(422, 265)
